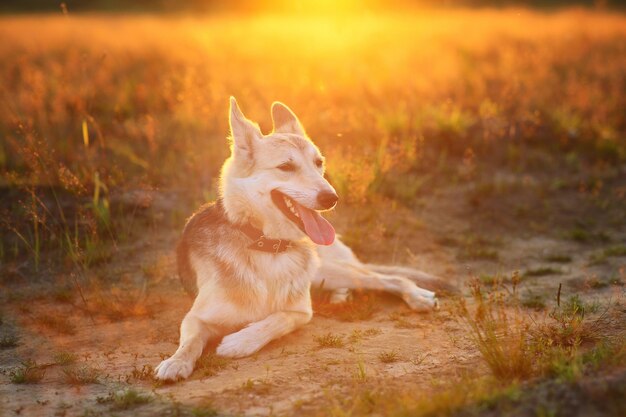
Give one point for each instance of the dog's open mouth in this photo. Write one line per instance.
(309, 221)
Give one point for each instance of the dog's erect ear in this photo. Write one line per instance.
(244, 133)
(284, 120)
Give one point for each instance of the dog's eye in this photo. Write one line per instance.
(287, 167)
(319, 163)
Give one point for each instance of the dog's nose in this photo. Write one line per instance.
(327, 199)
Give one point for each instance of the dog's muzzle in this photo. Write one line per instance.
(327, 200)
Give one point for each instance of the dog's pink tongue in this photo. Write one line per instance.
(317, 228)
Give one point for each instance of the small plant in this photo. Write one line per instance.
(57, 323)
(579, 235)
(9, 341)
(28, 373)
(491, 279)
(357, 335)
(145, 373)
(609, 353)
(361, 372)
(584, 236)
(534, 301)
(257, 387)
(81, 375)
(477, 248)
(558, 258)
(562, 363)
(402, 322)
(477, 253)
(541, 272)
(388, 357)
(124, 400)
(619, 250)
(329, 340)
(372, 332)
(499, 333)
(419, 359)
(210, 364)
(204, 411)
(568, 326)
(65, 358)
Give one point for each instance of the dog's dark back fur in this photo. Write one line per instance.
(208, 217)
(209, 235)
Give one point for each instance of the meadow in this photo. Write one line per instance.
(485, 146)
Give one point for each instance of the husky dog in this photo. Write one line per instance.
(251, 257)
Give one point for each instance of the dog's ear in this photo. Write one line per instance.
(285, 121)
(244, 133)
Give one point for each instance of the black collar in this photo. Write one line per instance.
(263, 244)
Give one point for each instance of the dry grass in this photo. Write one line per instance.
(57, 322)
(125, 399)
(65, 358)
(81, 375)
(499, 332)
(8, 341)
(517, 345)
(145, 373)
(28, 373)
(210, 364)
(329, 340)
(389, 356)
(87, 112)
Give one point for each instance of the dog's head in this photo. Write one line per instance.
(276, 181)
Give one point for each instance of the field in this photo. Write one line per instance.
(484, 146)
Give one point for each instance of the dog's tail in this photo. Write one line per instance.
(420, 278)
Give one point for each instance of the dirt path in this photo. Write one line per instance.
(390, 346)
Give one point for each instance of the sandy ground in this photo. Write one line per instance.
(294, 375)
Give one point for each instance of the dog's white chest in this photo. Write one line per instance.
(276, 279)
(262, 285)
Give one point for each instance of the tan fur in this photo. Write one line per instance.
(247, 297)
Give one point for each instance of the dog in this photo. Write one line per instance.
(251, 257)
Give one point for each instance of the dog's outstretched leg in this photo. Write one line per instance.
(194, 334)
(252, 338)
(420, 278)
(340, 274)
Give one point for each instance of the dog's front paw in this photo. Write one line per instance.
(237, 345)
(173, 369)
(419, 301)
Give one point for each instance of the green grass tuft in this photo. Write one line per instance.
(619, 250)
(28, 373)
(559, 259)
(534, 301)
(125, 400)
(542, 271)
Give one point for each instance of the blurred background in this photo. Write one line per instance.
(283, 5)
(94, 106)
